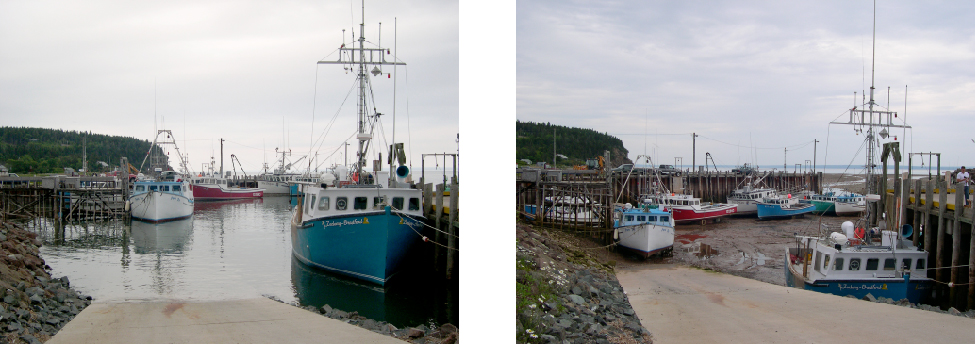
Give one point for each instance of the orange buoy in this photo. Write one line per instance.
(859, 233)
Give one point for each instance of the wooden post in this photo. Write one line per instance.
(939, 250)
(438, 237)
(971, 264)
(917, 213)
(452, 239)
(956, 238)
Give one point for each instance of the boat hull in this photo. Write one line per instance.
(915, 291)
(211, 192)
(367, 246)
(774, 211)
(691, 214)
(646, 239)
(157, 206)
(274, 187)
(823, 207)
(849, 209)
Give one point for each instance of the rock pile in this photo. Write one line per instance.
(905, 303)
(565, 295)
(33, 306)
(445, 334)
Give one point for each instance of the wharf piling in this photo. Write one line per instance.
(63, 197)
(446, 221)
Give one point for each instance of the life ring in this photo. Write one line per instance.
(341, 204)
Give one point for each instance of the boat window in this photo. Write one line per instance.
(665, 218)
(817, 261)
(176, 188)
(854, 264)
(906, 264)
(826, 262)
(323, 203)
(311, 205)
(341, 203)
(165, 187)
(397, 203)
(920, 264)
(377, 202)
(873, 263)
(652, 218)
(361, 203)
(140, 188)
(838, 264)
(153, 187)
(889, 263)
(414, 203)
(628, 218)
(641, 218)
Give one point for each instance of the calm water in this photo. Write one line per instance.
(231, 250)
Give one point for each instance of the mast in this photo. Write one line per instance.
(362, 57)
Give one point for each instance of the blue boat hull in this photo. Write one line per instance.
(766, 211)
(894, 288)
(367, 246)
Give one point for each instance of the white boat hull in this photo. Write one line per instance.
(849, 209)
(646, 239)
(274, 187)
(157, 206)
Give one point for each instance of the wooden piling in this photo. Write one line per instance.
(971, 261)
(438, 237)
(956, 239)
(940, 249)
(452, 230)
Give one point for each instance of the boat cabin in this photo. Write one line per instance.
(175, 188)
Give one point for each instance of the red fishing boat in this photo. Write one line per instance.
(687, 208)
(212, 187)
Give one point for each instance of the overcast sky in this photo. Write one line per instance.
(244, 71)
(764, 74)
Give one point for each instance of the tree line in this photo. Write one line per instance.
(38, 150)
(534, 141)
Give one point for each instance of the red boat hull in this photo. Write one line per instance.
(688, 215)
(205, 192)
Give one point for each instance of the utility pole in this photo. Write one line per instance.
(814, 155)
(785, 159)
(693, 151)
(554, 132)
(221, 158)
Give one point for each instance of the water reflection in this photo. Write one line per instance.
(415, 297)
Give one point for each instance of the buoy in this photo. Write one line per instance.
(859, 233)
(425, 239)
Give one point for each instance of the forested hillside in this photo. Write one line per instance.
(39, 150)
(534, 142)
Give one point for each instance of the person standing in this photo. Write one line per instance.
(963, 177)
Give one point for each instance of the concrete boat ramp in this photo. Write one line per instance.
(242, 321)
(686, 305)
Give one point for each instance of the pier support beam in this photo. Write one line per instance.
(940, 249)
(956, 240)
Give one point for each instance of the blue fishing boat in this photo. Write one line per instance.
(645, 231)
(782, 207)
(852, 261)
(359, 223)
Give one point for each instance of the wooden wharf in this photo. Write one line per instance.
(63, 197)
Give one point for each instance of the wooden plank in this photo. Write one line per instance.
(452, 238)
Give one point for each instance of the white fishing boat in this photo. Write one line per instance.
(646, 230)
(748, 196)
(169, 198)
(166, 195)
(365, 228)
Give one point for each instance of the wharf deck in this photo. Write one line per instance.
(243, 321)
(683, 305)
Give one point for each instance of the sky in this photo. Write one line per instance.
(758, 81)
(244, 71)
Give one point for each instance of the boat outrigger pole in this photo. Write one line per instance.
(362, 57)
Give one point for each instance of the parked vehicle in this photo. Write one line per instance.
(668, 170)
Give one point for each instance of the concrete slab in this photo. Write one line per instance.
(242, 321)
(683, 305)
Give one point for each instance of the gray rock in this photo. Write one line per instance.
(414, 332)
(577, 299)
(35, 298)
(549, 339)
(29, 339)
(628, 311)
(53, 321)
(953, 311)
(14, 327)
(3, 237)
(65, 282)
(339, 314)
(9, 299)
(326, 309)
(370, 324)
(870, 298)
(576, 290)
(563, 323)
